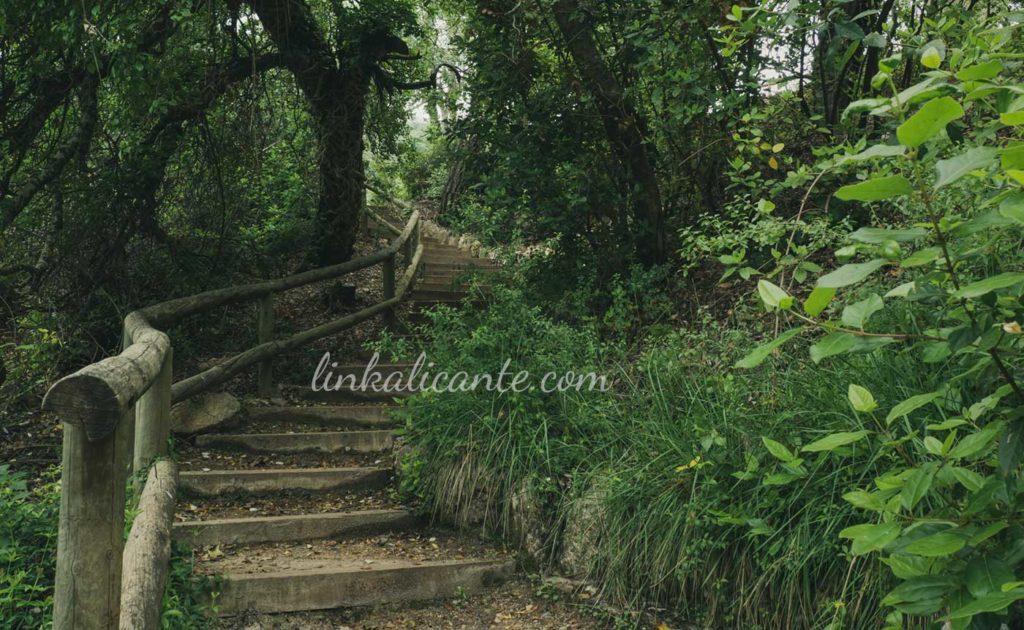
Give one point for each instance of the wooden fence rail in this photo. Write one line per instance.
(116, 416)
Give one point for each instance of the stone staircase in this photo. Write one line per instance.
(293, 509)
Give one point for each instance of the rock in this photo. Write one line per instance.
(583, 524)
(527, 522)
(204, 413)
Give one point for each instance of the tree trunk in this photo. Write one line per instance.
(340, 114)
(337, 98)
(624, 127)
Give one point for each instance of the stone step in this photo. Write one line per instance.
(321, 442)
(267, 529)
(239, 482)
(455, 280)
(304, 392)
(418, 305)
(357, 584)
(447, 263)
(430, 259)
(358, 369)
(335, 416)
(420, 294)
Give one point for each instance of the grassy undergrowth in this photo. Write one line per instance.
(694, 512)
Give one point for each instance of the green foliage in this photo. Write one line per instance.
(941, 511)
(468, 443)
(28, 548)
(186, 601)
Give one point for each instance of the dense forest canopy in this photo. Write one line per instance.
(656, 177)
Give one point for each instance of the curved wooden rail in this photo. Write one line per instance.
(116, 415)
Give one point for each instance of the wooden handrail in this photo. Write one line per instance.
(122, 404)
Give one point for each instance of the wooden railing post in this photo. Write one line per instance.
(90, 538)
(153, 418)
(265, 333)
(409, 247)
(389, 289)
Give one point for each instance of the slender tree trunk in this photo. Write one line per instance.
(624, 127)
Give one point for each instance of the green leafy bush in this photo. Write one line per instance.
(942, 282)
(28, 548)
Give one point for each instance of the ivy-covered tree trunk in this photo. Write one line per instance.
(340, 118)
(623, 126)
(337, 98)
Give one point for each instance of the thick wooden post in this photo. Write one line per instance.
(265, 332)
(389, 289)
(90, 538)
(153, 418)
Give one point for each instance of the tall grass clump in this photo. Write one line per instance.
(473, 451)
(700, 516)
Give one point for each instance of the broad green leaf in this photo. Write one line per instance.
(933, 445)
(980, 71)
(987, 532)
(987, 575)
(865, 104)
(833, 344)
(778, 450)
(917, 485)
(865, 500)
(993, 602)
(818, 300)
(907, 567)
(948, 171)
(873, 152)
(928, 121)
(850, 30)
(992, 283)
(931, 57)
(857, 314)
(850, 274)
(861, 399)
(773, 295)
(1011, 447)
(902, 290)
(967, 478)
(876, 189)
(921, 257)
(1012, 119)
(780, 479)
(867, 538)
(925, 587)
(946, 425)
(975, 443)
(1012, 156)
(875, 40)
(763, 351)
(1013, 207)
(937, 545)
(911, 404)
(834, 441)
(881, 235)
